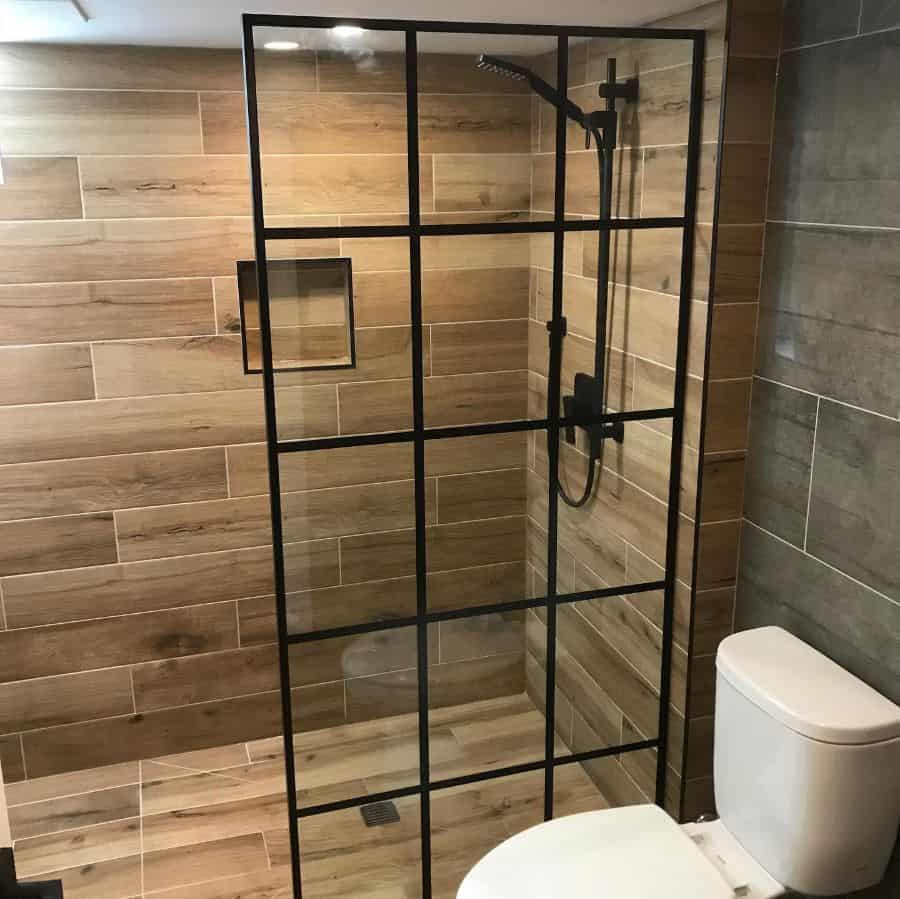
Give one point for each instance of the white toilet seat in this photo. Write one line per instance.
(625, 853)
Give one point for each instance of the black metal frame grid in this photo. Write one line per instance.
(414, 231)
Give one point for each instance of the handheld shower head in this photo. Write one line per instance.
(503, 67)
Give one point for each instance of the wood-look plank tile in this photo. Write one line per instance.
(717, 554)
(339, 467)
(66, 813)
(481, 181)
(67, 541)
(486, 635)
(136, 68)
(160, 186)
(45, 702)
(224, 820)
(483, 251)
(114, 879)
(311, 185)
(202, 364)
(469, 295)
(217, 675)
(439, 73)
(742, 194)
(142, 424)
(73, 486)
(40, 188)
(479, 347)
(295, 122)
(451, 546)
(105, 642)
(107, 590)
(275, 884)
(123, 249)
(183, 764)
(727, 414)
(86, 122)
(109, 741)
(738, 263)
(751, 98)
(81, 847)
(387, 405)
(474, 124)
(47, 313)
(46, 374)
(487, 495)
(12, 760)
(204, 861)
(86, 781)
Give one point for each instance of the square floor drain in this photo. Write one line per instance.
(377, 813)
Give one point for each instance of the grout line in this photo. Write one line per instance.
(141, 819)
(22, 751)
(93, 375)
(829, 399)
(80, 186)
(340, 561)
(809, 555)
(3, 624)
(812, 466)
(200, 124)
(134, 708)
(838, 40)
(237, 622)
(835, 226)
(115, 537)
(859, 18)
(228, 493)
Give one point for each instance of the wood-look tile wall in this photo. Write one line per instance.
(752, 44)
(135, 569)
(608, 666)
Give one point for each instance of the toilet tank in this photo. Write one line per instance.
(807, 763)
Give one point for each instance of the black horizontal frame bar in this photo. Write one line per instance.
(451, 431)
(286, 21)
(462, 780)
(461, 229)
(514, 605)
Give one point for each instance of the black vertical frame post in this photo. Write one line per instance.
(418, 382)
(682, 342)
(268, 374)
(553, 394)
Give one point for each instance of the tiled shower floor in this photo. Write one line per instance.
(212, 824)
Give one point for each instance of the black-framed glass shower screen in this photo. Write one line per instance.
(401, 605)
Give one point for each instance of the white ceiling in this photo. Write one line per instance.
(216, 23)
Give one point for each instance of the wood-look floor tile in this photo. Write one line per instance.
(204, 861)
(81, 847)
(115, 879)
(50, 374)
(87, 781)
(274, 884)
(69, 812)
(198, 760)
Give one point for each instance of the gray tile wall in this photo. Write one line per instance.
(820, 547)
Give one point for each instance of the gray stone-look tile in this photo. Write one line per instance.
(782, 423)
(854, 514)
(829, 315)
(812, 21)
(859, 629)
(880, 14)
(837, 129)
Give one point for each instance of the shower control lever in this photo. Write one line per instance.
(586, 403)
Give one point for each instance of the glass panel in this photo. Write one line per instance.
(480, 114)
(607, 668)
(332, 125)
(342, 858)
(647, 177)
(310, 309)
(477, 539)
(375, 394)
(467, 822)
(486, 700)
(365, 690)
(475, 300)
(337, 506)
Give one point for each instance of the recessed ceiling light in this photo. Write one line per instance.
(347, 30)
(281, 45)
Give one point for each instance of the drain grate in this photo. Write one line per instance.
(377, 813)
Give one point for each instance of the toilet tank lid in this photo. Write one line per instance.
(805, 690)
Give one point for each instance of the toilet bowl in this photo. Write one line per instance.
(807, 776)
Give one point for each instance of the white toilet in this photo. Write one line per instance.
(807, 781)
